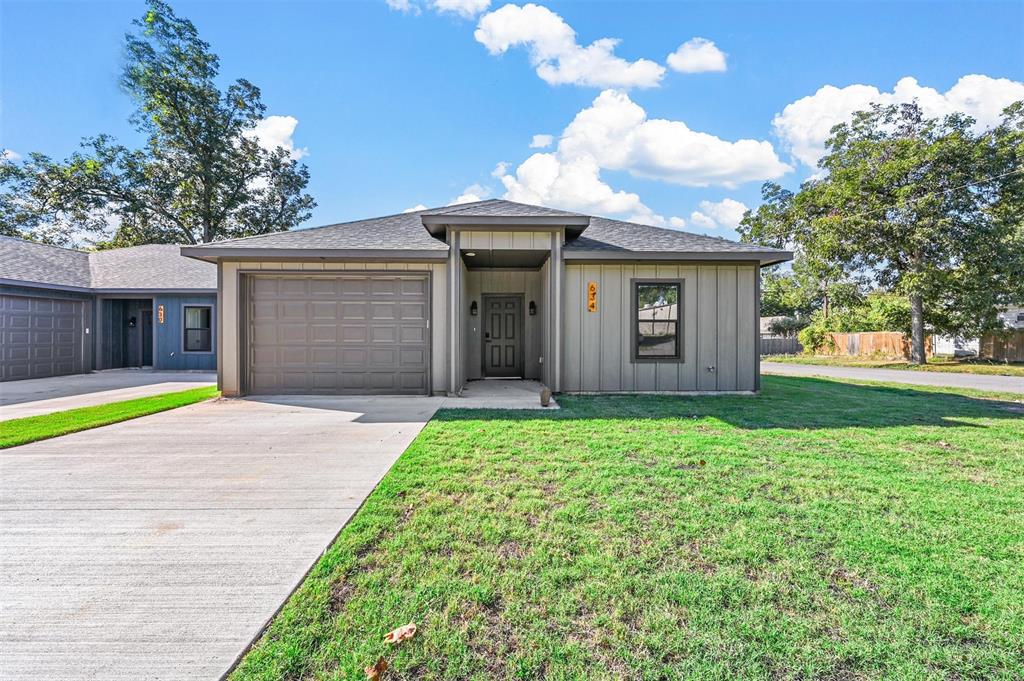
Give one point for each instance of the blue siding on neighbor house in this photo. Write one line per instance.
(169, 337)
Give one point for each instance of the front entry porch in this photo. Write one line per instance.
(504, 306)
(500, 394)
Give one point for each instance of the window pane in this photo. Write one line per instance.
(197, 340)
(197, 329)
(197, 317)
(657, 320)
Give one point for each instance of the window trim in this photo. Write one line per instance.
(634, 354)
(185, 329)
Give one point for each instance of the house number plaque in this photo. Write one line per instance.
(592, 296)
(160, 313)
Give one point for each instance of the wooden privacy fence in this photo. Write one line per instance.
(877, 343)
(1005, 346)
(780, 345)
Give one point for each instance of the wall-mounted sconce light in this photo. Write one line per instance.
(473, 308)
(533, 308)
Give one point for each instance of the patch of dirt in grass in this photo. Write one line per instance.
(510, 550)
(495, 641)
(341, 591)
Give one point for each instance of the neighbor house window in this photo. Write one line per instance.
(197, 329)
(656, 321)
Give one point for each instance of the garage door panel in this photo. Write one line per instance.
(383, 334)
(358, 333)
(322, 333)
(41, 337)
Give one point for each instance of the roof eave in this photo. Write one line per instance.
(215, 254)
(436, 224)
(764, 259)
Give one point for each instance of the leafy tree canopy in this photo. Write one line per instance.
(923, 208)
(201, 175)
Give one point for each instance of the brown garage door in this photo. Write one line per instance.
(338, 334)
(40, 337)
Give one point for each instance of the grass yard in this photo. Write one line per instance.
(823, 529)
(32, 428)
(940, 364)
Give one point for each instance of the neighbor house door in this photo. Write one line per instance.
(503, 336)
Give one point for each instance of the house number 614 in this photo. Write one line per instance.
(592, 296)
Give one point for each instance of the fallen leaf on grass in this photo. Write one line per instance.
(376, 671)
(401, 633)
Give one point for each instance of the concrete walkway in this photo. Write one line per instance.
(45, 395)
(499, 394)
(157, 548)
(1010, 384)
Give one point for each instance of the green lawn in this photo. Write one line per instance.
(31, 428)
(940, 364)
(820, 530)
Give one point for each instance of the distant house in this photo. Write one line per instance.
(64, 311)
(1013, 316)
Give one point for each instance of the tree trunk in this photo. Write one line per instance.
(917, 351)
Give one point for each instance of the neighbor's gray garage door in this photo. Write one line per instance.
(338, 334)
(40, 337)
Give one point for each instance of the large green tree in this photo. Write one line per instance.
(201, 176)
(918, 206)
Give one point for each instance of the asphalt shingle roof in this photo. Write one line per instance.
(607, 235)
(405, 231)
(501, 208)
(157, 266)
(31, 262)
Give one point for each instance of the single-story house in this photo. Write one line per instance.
(64, 311)
(422, 302)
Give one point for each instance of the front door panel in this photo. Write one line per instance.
(503, 336)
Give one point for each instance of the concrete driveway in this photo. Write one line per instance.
(1009, 384)
(45, 395)
(157, 548)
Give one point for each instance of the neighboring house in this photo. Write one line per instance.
(1012, 317)
(67, 312)
(421, 302)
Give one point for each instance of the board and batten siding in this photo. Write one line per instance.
(169, 337)
(229, 301)
(525, 283)
(718, 330)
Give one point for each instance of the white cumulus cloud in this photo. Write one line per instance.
(403, 6)
(541, 141)
(417, 207)
(697, 55)
(803, 126)
(467, 9)
(500, 169)
(472, 193)
(9, 155)
(554, 52)
(464, 8)
(614, 133)
(726, 213)
(278, 131)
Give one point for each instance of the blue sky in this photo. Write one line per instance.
(418, 105)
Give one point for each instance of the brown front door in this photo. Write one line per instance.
(503, 336)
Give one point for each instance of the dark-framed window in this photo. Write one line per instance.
(657, 306)
(198, 328)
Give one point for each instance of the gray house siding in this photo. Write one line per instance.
(718, 321)
(169, 337)
(528, 284)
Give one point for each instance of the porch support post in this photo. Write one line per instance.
(454, 311)
(555, 292)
